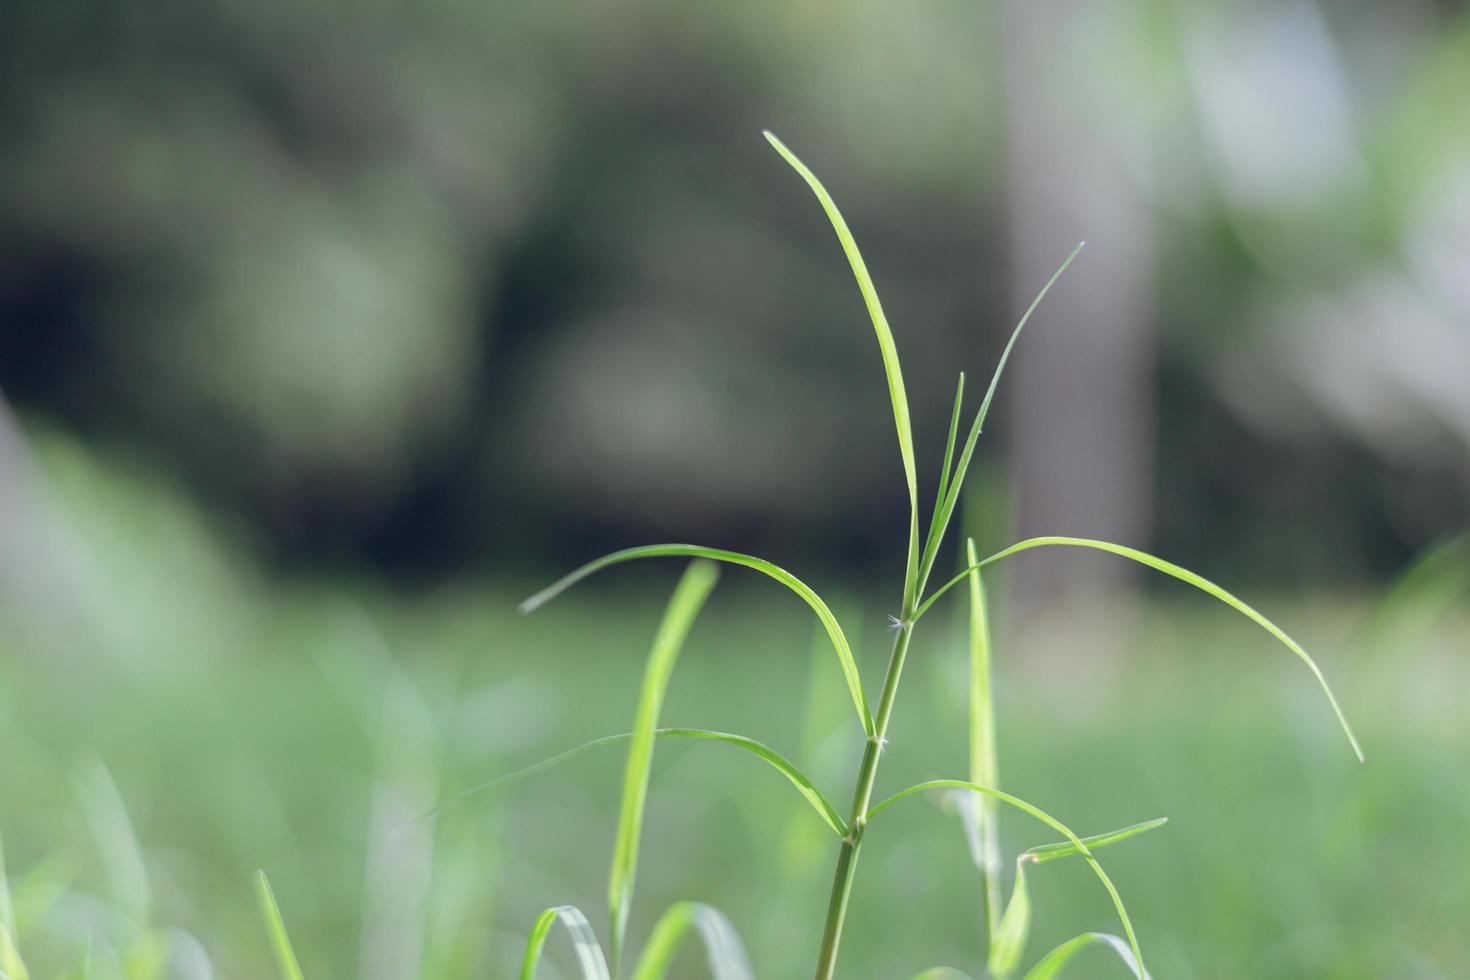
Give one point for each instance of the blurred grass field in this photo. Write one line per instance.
(303, 726)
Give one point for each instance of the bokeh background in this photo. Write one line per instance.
(328, 331)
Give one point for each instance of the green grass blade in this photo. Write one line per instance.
(1061, 849)
(1050, 965)
(939, 523)
(147, 957)
(1009, 941)
(535, 769)
(795, 776)
(1183, 575)
(584, 943)
(984, 764)
(1038, 814)
(724, 951)
(949, 444)
(828, 620)
(689, 596)
(7, 907)
(890, 358)
(275, 928)
(116, 840)
(12, 967)
(941, 973)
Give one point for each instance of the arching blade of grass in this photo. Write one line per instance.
(723, 948)
(584, 943)
(829, 621)
(1061, 849)
(1039, 814)
(984, 767)
(1051, 964)
(276, 929)
(689, 596)
(941, 973)
(1183, 575)
(896, 392)
(1009, 938)
(797, 778)
(780, 763)
(939, 522)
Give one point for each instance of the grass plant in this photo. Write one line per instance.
(1008, 920)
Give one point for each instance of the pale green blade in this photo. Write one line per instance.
(117, 841)
(1050, 965)
(7, 908)
(941, 973)
(896, 391)
(1039, 814)
(829, 621)
(1061, 849)
(939, 523)
(584, 943)
(147, 956)
(275, 928)
(723, 949)
(689, 596)
(536, 768)
(984, 765)
(1009, 941)
(1183, 575)
(780, 763)
(12, 967)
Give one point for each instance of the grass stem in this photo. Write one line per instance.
(862, 798)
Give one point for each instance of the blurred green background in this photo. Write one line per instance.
(329, 331)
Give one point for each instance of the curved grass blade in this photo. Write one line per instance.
(723, 949)
(829, 621)
(1039, 814)
(276, 929)
(795, 776)
(1051, 964)
(939, 522)
(584, 943)
(1183, 575)
(1061, 849)
(1009, 940)
(689, 596)
(891, 368)
(984, 764)
(941, 973)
